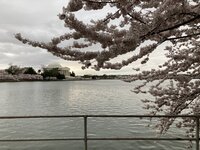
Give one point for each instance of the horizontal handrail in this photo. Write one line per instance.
(98, 139)
(86, 138)
(41, 139)
(101, 116)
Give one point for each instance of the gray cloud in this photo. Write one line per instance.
(34, 19)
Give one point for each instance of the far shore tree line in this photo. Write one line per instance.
(50, 74)
(45, 73)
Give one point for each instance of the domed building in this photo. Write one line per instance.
(63, 70)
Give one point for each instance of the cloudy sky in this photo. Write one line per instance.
(38, 20)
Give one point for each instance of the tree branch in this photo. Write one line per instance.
(153, 32)
(137, 19)
(178, 25)
(110, 16)
(182, 37)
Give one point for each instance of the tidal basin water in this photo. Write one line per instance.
(77, 98)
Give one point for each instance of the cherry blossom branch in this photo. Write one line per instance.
(178, 25)
(182, 37)
(137, 19)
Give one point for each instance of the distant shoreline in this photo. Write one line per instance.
(54, 80)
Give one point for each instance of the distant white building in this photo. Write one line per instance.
(63, 70)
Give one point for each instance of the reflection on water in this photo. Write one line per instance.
(76, 97)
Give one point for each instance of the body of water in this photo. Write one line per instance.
(77, 98)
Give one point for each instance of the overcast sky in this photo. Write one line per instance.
(38, 20)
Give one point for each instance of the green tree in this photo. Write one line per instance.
(72, 74)
(14, 70)
(104, 76)
(30, 70)
(60, 76)
(39, 71)
(54, 72)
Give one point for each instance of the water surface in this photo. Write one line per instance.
(77, 98)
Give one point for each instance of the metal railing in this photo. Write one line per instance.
(86, 138)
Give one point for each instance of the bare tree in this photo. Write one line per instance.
(129, 24)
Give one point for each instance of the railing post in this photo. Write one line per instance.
(85, 133)
(197, 133)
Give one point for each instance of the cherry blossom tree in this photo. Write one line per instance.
(127, 26)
